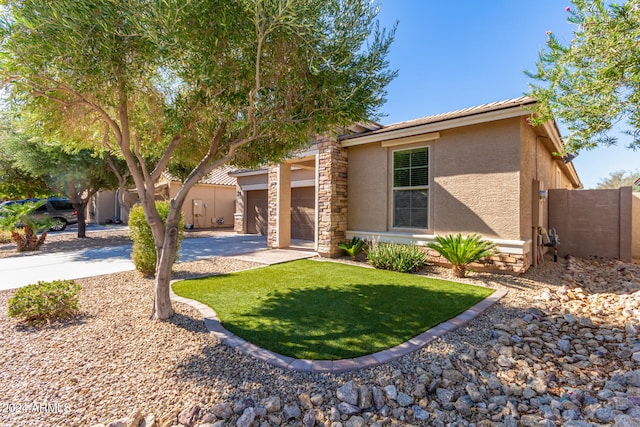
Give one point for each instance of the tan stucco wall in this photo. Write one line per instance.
(474, 182)
(635, 226)
(367, 188)
(220, 201)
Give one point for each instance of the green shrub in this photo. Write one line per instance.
(396, 257)
(45, 301)
(144, 248)
(353, 247)
(461, 252)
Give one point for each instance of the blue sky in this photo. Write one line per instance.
(453, 55)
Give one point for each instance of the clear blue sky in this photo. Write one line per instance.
(453, 55)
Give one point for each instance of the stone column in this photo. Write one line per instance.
(279, 194)
(239, 217)
(332, 196)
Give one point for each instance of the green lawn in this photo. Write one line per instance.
(325, 310)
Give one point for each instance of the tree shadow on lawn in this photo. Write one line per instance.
(360, 319)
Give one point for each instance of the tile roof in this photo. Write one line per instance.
(479, 109)
(218, 176)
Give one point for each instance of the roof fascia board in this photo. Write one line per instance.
(556, 140)
(489, 116)
(411, 139)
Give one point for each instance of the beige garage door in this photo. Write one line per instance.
(257, 212)
(303, 213)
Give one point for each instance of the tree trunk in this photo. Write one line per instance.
(460, 270)
(82, 221)
(162, 309)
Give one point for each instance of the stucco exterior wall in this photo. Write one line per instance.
(475, 173)
(474, 182)
(218, 202)
(368, 183)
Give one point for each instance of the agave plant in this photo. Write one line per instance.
(353, 247)
(461, 252)
(17, 218)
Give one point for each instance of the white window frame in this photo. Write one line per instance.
(393, 189)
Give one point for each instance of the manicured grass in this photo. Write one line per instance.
(325, 310)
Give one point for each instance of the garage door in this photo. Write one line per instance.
(257, 212)
(303, 213)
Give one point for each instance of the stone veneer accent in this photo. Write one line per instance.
(272, 209)
(332, 196)
(508, 263)
(239, 222)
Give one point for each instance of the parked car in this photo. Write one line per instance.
(57, 208)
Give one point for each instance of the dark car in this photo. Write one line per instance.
(57, 208)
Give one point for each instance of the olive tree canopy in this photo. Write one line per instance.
(199, 82)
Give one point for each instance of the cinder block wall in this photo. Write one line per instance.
(592, 223)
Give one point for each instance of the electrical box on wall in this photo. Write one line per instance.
(198, 207)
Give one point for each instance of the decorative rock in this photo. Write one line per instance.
(317, 399)
(463, 407)
(391, 392)
(420, 414)
(188, 417)
(444, 395)
(355, 421)
(404, 399)
(348, 409)
(291, 411)
(305, 401)
(247, 417)
(378, 398)
(564, 345)
(452, 375)
(419, 391)
(365, 399)
(605, 415)
(348, 393)
(222, 410)
(626, 421)
(272, 404)
(633, 378)
(309, 419)
(473, 392)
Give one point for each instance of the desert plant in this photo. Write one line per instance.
(144, 249)
(18, 220)
(461, 252)
(353, 247)
(45, 301)
(396, 256)
(5, 236)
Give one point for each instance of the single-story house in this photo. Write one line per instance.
(482, 170)
(209, 204)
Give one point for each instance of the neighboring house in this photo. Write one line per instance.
(479, 170)
(209, 204)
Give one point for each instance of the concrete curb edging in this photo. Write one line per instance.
(213, 324)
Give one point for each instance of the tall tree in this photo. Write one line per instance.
(201, 82)
(77, 175)
(16, 183)
(619, 179)
(593, 83)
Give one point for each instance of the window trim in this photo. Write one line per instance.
(392, 189)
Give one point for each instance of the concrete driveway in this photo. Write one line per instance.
(20, 271)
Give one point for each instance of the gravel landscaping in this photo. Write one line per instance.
(562, 348)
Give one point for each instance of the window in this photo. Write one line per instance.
(411, 188)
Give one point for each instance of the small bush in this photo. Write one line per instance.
(5, 236)
(144, 248)
(45, 301)
(353, 247)
(396, 257)
(461, 252)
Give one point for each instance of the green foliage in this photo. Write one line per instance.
(594, 82)
(20, 215)
(619, 179)
(353, 247)
(396, 257)
(144, 248)
(45, 301)
(461, 252)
